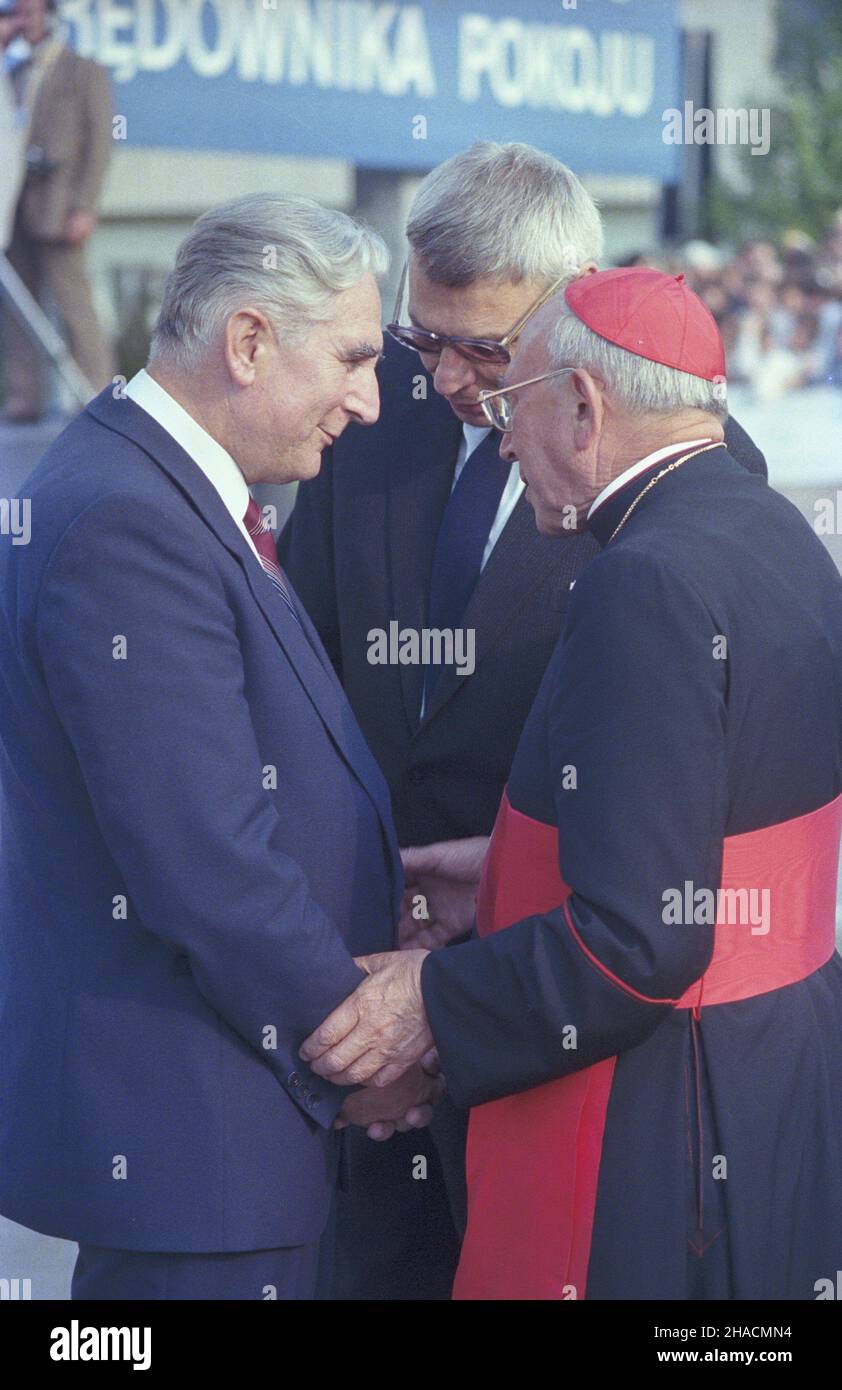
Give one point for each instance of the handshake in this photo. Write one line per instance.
(379, 1036)
(405, 1104)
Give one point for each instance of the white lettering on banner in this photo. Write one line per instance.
(349, 45)
(565, 68)
(211, 56)
(367, 46)
(164, 52)
(115, 17)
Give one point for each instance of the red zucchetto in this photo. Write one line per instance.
(652, 315)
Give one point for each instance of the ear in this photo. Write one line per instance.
(248, 337)
(589, 408)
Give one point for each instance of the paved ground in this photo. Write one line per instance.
(800, 437)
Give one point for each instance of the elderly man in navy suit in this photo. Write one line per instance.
(196, 839)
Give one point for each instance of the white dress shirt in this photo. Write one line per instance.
(472, 436)
(636, 468)
(215, 462)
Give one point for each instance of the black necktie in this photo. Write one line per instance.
(462, 538)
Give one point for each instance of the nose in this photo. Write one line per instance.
(507, 453)
(453, 373)
(363, 401)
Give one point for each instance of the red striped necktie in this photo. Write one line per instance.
(265, 546)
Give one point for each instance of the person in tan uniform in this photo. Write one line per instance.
(63, 105)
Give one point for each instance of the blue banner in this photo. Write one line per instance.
(392, 85)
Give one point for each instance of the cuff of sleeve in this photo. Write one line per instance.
(434, 986)
(319, 1099)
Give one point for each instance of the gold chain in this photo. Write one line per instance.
(676, 463)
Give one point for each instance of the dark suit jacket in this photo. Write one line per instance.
(215, 781)
(359, 548)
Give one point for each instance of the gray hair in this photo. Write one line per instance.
(640, 385)
(287, 256)
(508, 211)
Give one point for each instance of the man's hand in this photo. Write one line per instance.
(78, 227)
(379, 1030)
(447, 876)
(405, 1104)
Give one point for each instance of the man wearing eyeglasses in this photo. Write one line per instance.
(418, 522)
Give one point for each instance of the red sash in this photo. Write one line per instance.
(533, 1158)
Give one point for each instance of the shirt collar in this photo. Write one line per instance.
(641, 467)
(473, 436)
(603, 520)
(215, 462)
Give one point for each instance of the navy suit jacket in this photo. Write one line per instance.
(196, 841)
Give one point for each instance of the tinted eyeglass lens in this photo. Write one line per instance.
(483, 352)
(423, 342)
(412, 338)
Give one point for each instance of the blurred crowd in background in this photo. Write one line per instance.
(779, 308)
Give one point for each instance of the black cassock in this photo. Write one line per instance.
(650, 1028)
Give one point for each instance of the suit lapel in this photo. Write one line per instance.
(301, 644)
(518, 564)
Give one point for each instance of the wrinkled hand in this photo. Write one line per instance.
(447, 875)
(405, 1104)
(378, 1031)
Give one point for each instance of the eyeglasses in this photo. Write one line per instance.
(496, 406)
(489, 350)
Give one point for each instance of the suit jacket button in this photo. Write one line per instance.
(293, 1079)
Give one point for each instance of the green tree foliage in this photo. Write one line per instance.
(799, 182)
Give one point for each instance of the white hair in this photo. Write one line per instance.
(508, 211)
(287, 256)
(640, 385)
